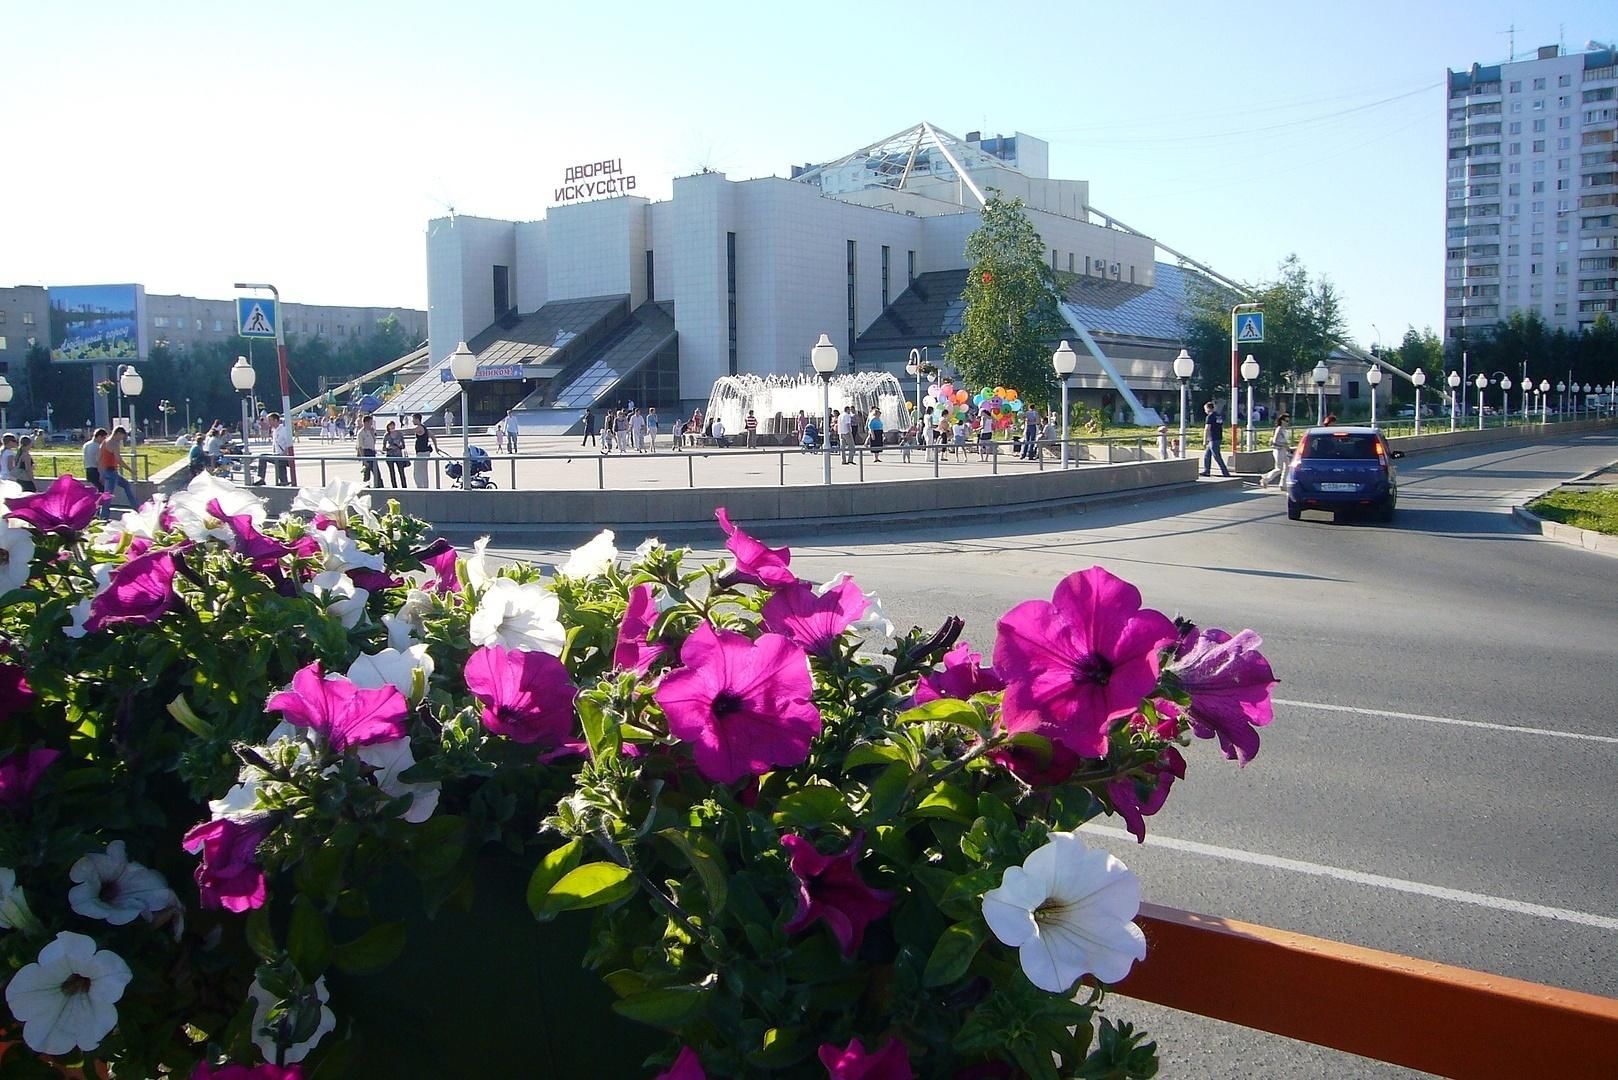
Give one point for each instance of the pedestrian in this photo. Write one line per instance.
(924, 429)
(92, 457)
(957, 433)
(1213, 432)
(280, 450)
(694, 428)
(845, 434)
(809, 441)
(1331, 418)
(365, 448)
(425, 447)
(985, 437)
(620, 429)
(1281, 447)
(589, 428)
(875, 427)
(651, 428)
(637, 431)
(111, 463)
(393, 445)
(803, 422)
(908, 440)
(1030, 433)
(511, 431)
(213, 445)
(717, 429)
(606, 430)
(8, 456)
(751, 427)
(1162, 442)
(22, 473)
(500, 434)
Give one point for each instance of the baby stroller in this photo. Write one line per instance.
(479, 472)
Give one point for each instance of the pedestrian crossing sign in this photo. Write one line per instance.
(255, 317)
(1250, 327)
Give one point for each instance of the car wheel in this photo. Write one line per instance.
(1293, 511)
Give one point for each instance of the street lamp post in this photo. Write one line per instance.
(188, 416)
(914, 368)
(1064, 360)
(1373, 379)
(280, 354)
(1321, 374)
(131, 384)
(1249, 376)
(1481, 383)
(1418, 379)
(1505, 399)
(1454, 381)
(7, 391)
(1183, 367)
(1561, 399)
(1234, 311)
(463, 367)
(1525, 386)
(824, 358)
(242, 377)
(1544, 401)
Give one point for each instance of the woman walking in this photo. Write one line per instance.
(1281, 447)
(393, 445)
(112, 470)
(425, 447)
(22, 470)
(874, 439)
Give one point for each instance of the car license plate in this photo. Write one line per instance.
(1339, 487)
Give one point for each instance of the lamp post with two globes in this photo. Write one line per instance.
(824, 358)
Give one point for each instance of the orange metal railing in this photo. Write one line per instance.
(1433, 1017)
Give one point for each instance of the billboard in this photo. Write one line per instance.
(97, 323)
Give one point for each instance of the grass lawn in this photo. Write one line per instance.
(1596, 510)
(145, 459)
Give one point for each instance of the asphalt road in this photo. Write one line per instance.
(1446, 721)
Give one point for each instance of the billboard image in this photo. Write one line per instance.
(96, 323)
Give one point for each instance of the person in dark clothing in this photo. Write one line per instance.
(589, 428)
(1213, 432)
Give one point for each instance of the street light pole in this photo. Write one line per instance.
(1454, 381)
(242, 377)
(1373, 379)
(1183, 367)
(1249, 376)
(824, 359)
(1505, 399)
(1064, 360)
(1321, 374)
(1234, 311)
(463, 368)
(1481, 383)
(280, 358)
(914, 368)
(131, 384)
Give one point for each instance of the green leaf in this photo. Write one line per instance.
(182, 712)
(944, 711)
(817, 804)
(964, 896)
(600, 731)
(260, 938)
(436, 845)
(887, 794)
(307, 941)
(949, 802)
(671, 1007)
(591, 885)
(872, 754)
(371, 951)
(707, 860)
(781, 1047)
(551, 869)
(953, 954)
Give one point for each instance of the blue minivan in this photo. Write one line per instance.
(1344, 470)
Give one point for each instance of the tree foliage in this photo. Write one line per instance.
(1011, 313)
(1591, 356)
(1303, 323)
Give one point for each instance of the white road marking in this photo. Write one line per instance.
(1447, 720)
(1377, 881)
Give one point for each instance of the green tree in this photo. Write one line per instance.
(1011, 312)
(1423, 350)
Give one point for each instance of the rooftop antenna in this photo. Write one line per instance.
(1511, 40)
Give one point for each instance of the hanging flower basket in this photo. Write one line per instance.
(314, 793)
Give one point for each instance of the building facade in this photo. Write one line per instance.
(1531, 197)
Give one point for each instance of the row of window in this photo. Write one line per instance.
(27, 318)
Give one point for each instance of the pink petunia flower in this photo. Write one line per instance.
(439, 558)
(743, 705)
(756, 563)
(140, 592)
(1038, 766)
(830, 890)
(345, 714)
(1168, 719)
(1137, 799)
(248, 541)
(372, 581)
(1230, 684)
(964, 675)
(20, 773)
(1073, 664)
(635, 650)
(687, 1066)
(814, 622)
(232, 1071)
(229, 875)
(526, 695)
(67, 506)
(851, 1062)
(15, 693)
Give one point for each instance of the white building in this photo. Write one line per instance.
(629, 298)
(1531, 190)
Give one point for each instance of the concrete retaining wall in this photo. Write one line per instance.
(1261, 461)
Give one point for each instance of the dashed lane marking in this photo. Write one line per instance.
(1425, 718)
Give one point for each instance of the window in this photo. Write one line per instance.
(1539, 125)
(502, 293)
(157, 320)
(1515, 128)
(1516, 106)
(1563, 102)
(1070, 262)
(1515, 87)
(1564, 80)
(1537, 206)
(730, 293)
(1087, 265)
(1514, 149)
(1563, 123)
(1562, 185)
(885, 255)
(853, 281)
(1539, 104)
(1513, 249)
(912, 269)
(1539, 146)
(2, 343)
(1539, 84)
(28, 318)
(2, 318)
(1538, 186)
(1053, 259)
(651, 279)
(1561, 163)
(1456, 172)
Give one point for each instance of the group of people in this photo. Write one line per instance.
(624, 430)
(104, 465)
(17, 460)
(375, 449)
(960, 435)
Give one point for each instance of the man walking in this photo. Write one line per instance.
(751, 425)
(92, 457)
(651, 428)
(1213, 432)
(511, 432)
(589, 428)
(637, 431)
(845, 434)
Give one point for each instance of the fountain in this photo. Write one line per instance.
(776, 399)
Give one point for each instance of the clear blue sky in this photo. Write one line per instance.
(186, 145)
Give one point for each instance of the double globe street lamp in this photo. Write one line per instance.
(1064, 360)
(824, 358)
(1183, 368)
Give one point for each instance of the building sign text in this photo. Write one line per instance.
(594, 178)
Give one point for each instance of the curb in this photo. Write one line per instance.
(1588, 539)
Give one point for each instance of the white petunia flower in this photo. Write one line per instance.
(16, 556)
(478, 573)
(1067, 911)
(874, 629)
(14, 911)
(110, 887)
(646, 547)
(344, 501)
(592, 560)
(192, 516)
(338, 593)
(406, 669)
(241, 801)
(263, 1001)
(520, 617)
(390, 759)
(343, 553)
(65, 998)
(80, 612)
(9, 489)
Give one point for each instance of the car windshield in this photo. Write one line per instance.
(1341, 445)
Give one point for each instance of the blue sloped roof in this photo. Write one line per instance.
(1118, 307)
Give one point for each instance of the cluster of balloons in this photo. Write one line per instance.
(999, 403)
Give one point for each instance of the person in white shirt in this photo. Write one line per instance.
(212, 447)
(281, 443)
(719, 433)
(8, 457)
(845, 435)
(637, 431)
(92, 457)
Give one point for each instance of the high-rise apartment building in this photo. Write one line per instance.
(1531, 199)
